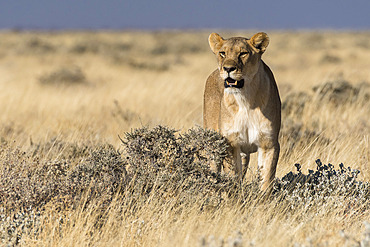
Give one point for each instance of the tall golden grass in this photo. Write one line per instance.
(134, 79)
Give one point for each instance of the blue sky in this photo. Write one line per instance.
(188, 14)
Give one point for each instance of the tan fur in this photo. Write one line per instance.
(249, 116)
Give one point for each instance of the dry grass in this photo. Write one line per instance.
(64, 95)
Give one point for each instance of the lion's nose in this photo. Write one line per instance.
(229, 69)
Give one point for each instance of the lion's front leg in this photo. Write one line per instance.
(238, 162)
(267, 162)
(245, 162)
(235, 166)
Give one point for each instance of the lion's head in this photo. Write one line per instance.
(238, 58)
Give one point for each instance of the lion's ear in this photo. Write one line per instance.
(260, 41)
(215, 42)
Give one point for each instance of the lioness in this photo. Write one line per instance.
(241, 100)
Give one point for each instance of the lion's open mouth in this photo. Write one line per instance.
(229, 82)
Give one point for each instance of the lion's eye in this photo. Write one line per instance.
(243, 54)
(222, 54)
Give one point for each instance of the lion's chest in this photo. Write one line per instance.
(242, 125)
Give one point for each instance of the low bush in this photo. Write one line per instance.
(29, 185)
(340, 187)
(177, 165)
(69, 75)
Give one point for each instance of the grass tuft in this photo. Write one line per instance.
(70, 75)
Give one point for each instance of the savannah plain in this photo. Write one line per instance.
(68, 98)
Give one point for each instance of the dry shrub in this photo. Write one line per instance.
(333, 92)
(28, 181)
(69, 75)
(295, 103)
(177, 165)
(29, 185)
(149, 65)
(35, 45)
(339, 187)
(342, 92)
(100, 47)
(329, 58)
(103, 174)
